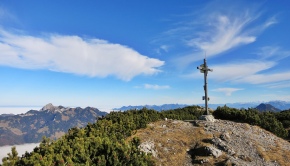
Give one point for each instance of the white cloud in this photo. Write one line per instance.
(250, 72)
(227, 91)
(216, 30)
(273, 52)
(282, 84)
(237, 71)
(276, 96)
(226, 32)
(73, 54)
(270, 22)
(164, 47)
(265, 78)
(156, 87)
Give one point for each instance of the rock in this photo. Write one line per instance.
(202, 161)
(205, 160)
(49, 107)
(209, 118)
(225, 136)
(213, 151)
(223, 146)
(148, 147)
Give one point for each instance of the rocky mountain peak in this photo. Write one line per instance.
(49, 107)
(267, 107)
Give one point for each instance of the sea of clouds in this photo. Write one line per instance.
(21, 149)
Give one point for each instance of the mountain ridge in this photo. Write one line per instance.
(50, 121)
(267, 107)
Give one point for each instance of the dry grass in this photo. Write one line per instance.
(44, 129)
(246, 126)
(279, 154)
(64, 118)
(275, 153)
(16, 131)
(57, 135)
(4, 124)
(173, 140)
(262, 153)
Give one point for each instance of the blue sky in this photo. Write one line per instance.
(107, 54)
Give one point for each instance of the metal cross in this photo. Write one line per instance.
(204, 69)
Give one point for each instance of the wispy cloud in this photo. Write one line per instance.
(73, 54)
(165, 48)
(272, 52)
(276, 96)
(238, 70)
(162, 48)
(226, 32)
(265, 78)
(252, 72)
(6, 15)
(249, 72)
(227, 91)
(282, 84)
(217, 29)
(156, 87)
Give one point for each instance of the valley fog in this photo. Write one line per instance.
(21, 149)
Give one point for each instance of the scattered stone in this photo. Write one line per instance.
(213, 151)
(205, 160)
(225, 136)
(223, 146)
(209, 118)
(202, 161)
(245, 158)
(148, 147)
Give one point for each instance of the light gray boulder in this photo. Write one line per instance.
(209, 118)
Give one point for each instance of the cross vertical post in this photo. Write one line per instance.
(204, 69)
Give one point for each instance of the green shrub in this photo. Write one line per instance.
(266, 120)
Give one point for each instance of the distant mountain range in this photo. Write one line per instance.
(155, 107)
(280, 105)
(5, 115)
(50, 121)
(53, 121)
